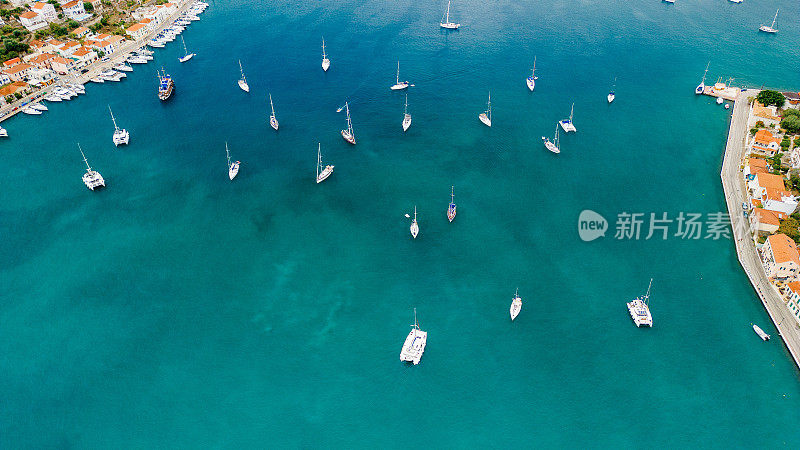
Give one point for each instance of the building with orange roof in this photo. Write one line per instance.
(80, 32)
(12, 62)
(793, 299)
(84, 55)
(137, 31)
(11, 89)
(18, 72)
(45, 10)
(764, 221)
(32, 21)
(42, 60)
(74, 10)
(767, 114)
(771, 191)
(68, 47)
(780, 257)
(62, 65)
(765, 142)
(755, 165)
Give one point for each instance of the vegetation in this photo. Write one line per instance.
(789, 227)
(88, 7)
(753, 131)
(760, 124)
(794, 181)
(776, 162)
(767, 98)
(791, 123)
(12, 48)
(785, 143)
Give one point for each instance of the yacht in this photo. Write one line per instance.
(414, 225)
(406, 116)
(273, 121)
(445, 23)
(187, 56)
(233, 168)
(77, 88)
(53, 98)
(323, 174)
(567, 124)
(122, 67)
(165, 85)
(399, 85)
(137, 59)
(39, 106)
(415, 342)
(348, 133)
(486, 116)
(31, 110)
(531, 80)
(451, 208)
(3, 132)
(97, 80)
(553, 145)
(640, 309)
(516, 306)
(92, 179)
(611, 95)
(326, 63)
(121, 135)
(702, 86)
(243, 81)
(771, 28)
(764, 336)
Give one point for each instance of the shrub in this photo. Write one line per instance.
(791, 124)
(768, 97)
(760, 124)
(791, 112)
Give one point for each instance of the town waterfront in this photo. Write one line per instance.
(176, 308)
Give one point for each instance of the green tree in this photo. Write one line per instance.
(88, 6)
(791, 124)
(776, 162)
(72, 24)
(794, 181)
(767, 98)
(753, 131)
(17, 95)
(789, 227)
(760, 124)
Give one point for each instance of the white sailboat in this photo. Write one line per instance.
(273, 121)
(451, 208)
(516, 306)
(233, 168)
(553, 145)
(406, 116)
(531, 80)
(348, 133)
(702, 86)
(445, 23)
(611, 95)
(326, 171)
(243, 81)
(414, 225)
(486, 116)
(639, 309)
(326, 63)
(771, 28)
(92, 179)
(414, 345)
(187, 56)
(567, 124)
(398, 85)
(121, 135)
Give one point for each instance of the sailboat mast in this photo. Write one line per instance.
(185, 52)
(323, 48)
(270, 105)
(446, 21)
(774, 19)
(405, 111)
(452, 194)
(227, 154)
(489, 105)
(319, 157)
(533, 72)
(84, 158)
(242, 71)
(397, 80)
(570, 112)
(349, 124)
(647, 296)
(112, 118)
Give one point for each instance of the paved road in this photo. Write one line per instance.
(733, 185)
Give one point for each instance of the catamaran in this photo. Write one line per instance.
(233, 168)
(348, 133)
(702, 86)
(92, 179)
(414, 225)
(325, 172)
(326, 63)
(531, 80)
(486, 116)
(398, 85)
(516, 305)
(121, 135)
(243, 81)
(552, 145)
(415, 342)
(640, 309)
(764, 336)
(445, 23)
(451, 208)
(273, 121)
(187, 56)
(611, 94)
(406, 116)
(771, 28)
(567, 124)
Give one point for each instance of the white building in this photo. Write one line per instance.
(45, 10)
(780, 258)
(793, 299)
(32, 21)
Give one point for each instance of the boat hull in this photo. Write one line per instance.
(273, 122)
(610, 98)
(244, 86)
(516, 307)
(567, 126)
(406, 122)
(233, 170)
(531, 83)
(550, 146)
(485, 119)
(326, 64)
(399, 86)
(324, 174)
(414, 229)
(186, 58)
(450, 26)
(348, 137)
(451, 212)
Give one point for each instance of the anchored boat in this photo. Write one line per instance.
(414, 346)
(323, 174)
(764, 336)
(486, 116)
(445, 23)
(121, 135)
(406, 116)
(348, 133)
(165, 85)
(516, 305)
(531, 80)
(92, 179)
(233, 168)
(451, 208)
(326, 63)
(639, 309)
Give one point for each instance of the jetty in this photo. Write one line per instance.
(734, 186)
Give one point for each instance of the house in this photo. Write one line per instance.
(42, 61)
(11, 62)
(137, 31)
(84, 55)
(765, 221)
(793, 299)
(80, 32)
(792, 98)
(11, 89)
(780, 257)
(74, 10)
(32, 21)
(772, 193)
(45, 10)
(39, 76)
(765, 142)
(37, 46)
(116, 41)
(754, 166)
(4, 78)
(62, 65)
(767, 114)
(67, 48)
(52, 45)
(19, 72)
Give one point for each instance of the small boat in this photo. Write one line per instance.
(771, 28)
(720, 100)
(727, 106)
(348, 133)
(326, 63)
(145, 51)
(326, 171)
(414, 225)
(121, 135)
(156, 43)
(92, 179)
(97, 80)
(3, 132)
(735, 1)
(137, 60)
(764, 336)
(611, 95)
(398, 85)
(187, 56)
(53, 98)
(567, 124)
(165, 85)
(486, 116)
(243, 81)
(531, 80)
(639, 309)
(445, 23)
(414, 345)
(516, 306)
(668, 1)
(233, 168)
(451, 208)
(406, 116)
(553, 145)
(122, 67)
(32, 111)
(77, 88)
(273, 121)
(39, 106)
(702, 86)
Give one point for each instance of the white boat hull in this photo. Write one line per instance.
(516, 307)
(531, 83)
(324, 174)
(567, 126)
(326, 64)
(414, 229)
(186, 58)
(764, 336)
(406, 122)
(233, 170)
(244, 86)
(485, 119)
(399, 86)
(348, 137)
(550, 146)
(273, 122)
(767, 29)
(450, 25)
(3, 132)
(121, 137)
(610, 98)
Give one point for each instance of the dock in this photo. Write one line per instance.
(735, 189)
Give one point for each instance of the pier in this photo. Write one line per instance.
(735, 189)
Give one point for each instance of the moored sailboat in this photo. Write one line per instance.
(639, 309)
(187, 56)
(414, 345)
(451, 208)
(273, 121)
(611, 95)
(702, 86)
(486, 116)
(771, 28)
(243, 81)
(326, 63)
(233, 168)
(553, 145)
(398, 85)
(121, 135)
(406, 116)
(567, 124)
(326, 171)
(516, 306)
(348, 133)
(92, 178)
(414, 225)
(445, 23)
(531, 80)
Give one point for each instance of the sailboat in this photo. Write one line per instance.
(348, 133)
(273, 121)
(187, 56)
(326, 63)
(552, 145)
(406, 116)
(516, 305)
(486, 116)
(92, 179)
(702, 86)
(414, 225)
(243, 81)
(233, 168)
(445, 23)
(398, 85)
(639, 309)
(121, 136)
(451, 209)
(771, 28)
(531, 80)
(611, 94)
(414, 345)
(567, 124)
(327, 171)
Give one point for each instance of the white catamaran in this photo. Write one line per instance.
(398, 85)
(92, 179)
(233, 168)
(326, 171)
(553, 145)
(121, 136)
(702, 86)
(406, 116)
(445, 23)
(414, 346)
(348, 133)
(531, 80)
(640, 309)
(273, 121)
(771, 28)
(414, 225)
(516, 305)
(567, 124)
(486, 116)
(326, 63)
(187, 56)
(243, 81)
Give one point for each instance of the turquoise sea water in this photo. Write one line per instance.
(178, 309)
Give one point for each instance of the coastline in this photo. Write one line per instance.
(733, 187)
